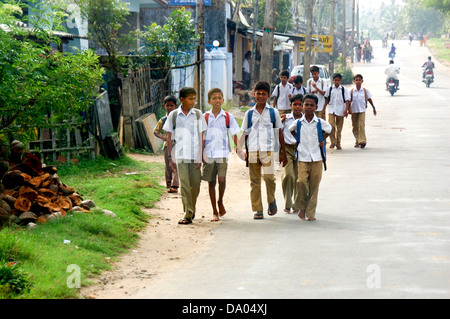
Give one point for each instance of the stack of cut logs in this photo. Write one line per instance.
(31, 192)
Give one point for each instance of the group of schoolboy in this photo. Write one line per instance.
(293, 131)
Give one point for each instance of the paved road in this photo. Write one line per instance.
(383, 228)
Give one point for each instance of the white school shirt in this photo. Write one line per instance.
(336, 105)
(186, 135)
(323, 86)
(301, 90)
(308, 150)
(359, 100)
(288, 137)
(283, 102)
(262, 136)
(216, 136)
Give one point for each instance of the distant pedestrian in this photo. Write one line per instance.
(246, 70)
(281, 94)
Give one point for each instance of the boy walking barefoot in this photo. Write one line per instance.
(260, 126)
(185, 127)
(289, 175)
(309, 162)
(170, 104)
(338, 99)
(216, 148)
(359, 98)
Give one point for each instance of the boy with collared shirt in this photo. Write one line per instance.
(217, 147)
(260, 126)
(170, 104)
(359, 98)
(309, 156)
(298, 87)
(289, 175)
(185, 127)
(318, 87)
(338, 99)
(281, 94)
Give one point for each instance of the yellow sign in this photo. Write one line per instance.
(324, 44)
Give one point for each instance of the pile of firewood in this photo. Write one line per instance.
(32, 192)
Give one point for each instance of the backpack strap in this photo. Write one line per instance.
(227, 118)
(272, 118)
(320, 139)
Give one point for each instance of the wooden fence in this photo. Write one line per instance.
(141, 96)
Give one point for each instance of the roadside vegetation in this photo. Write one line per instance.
(439, 50)
(41, 263)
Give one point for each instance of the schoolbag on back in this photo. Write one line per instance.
(323, 149)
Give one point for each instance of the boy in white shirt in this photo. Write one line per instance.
(309, 156)
(318, 87)
(281, 94)
(216, 148)
(260, 126)
(185, 128)
(359, 98)
(289, 175)
(338, 99)
(298, 87)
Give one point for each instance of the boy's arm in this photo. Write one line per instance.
(172, 164)
(373, 106)
(199, 160)
(283, 158)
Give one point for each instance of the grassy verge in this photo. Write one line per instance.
(437, 46)
(50, 256)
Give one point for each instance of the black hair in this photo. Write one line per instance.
(170, 98)
(315, 68)
(312, 97)
(212, 91)
(185, 91)
(262, 85)
(358, 76)
(296, 97)
(284, 73)
(337, 75)
(298, 79)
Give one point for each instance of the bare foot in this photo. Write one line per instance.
(222, 210)
(301, 214)
(311, 219)
(215, 218)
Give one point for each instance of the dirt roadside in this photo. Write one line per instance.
(164, 244)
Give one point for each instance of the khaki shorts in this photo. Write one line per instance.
(216, 167)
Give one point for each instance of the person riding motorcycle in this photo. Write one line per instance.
(392, 51)
(429, 65)
(391, 72)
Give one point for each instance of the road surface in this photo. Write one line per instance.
(383, 218)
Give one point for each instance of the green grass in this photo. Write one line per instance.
(95, 239)
(437, 46)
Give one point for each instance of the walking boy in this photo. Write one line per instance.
(338, 99)
(261, 125)
(170, 104)
(318, 87)
(281, 94)
(289, 176)
(309, 164)
(185, 127)
(359, 98)
(298, 87)
(217, 146)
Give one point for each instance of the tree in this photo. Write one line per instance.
(441, 5)
(416, 18)
(38, 85)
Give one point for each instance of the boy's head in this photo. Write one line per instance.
(297, 104)
(284, 76)
(358, 80)
(188, 95)
(170, 103)
(315, 71)
(215, 97)
(298, 80)
(310, 103)
(262, 91)
(337, 79)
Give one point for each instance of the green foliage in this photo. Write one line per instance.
(172, 43)
(283, 15)
(417, 18)
(12, 280)
(441, 5)
(39, 85)
(347, 75)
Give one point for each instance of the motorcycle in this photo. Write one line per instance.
(392, 86)
(429, 77)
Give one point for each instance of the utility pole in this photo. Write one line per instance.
(333, 9)
(201, 56)
(353, 31)
(267, 42)
(357, 21)
(307, 58)
(255, 27)
(344, 42)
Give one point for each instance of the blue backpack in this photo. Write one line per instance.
(323, 151)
